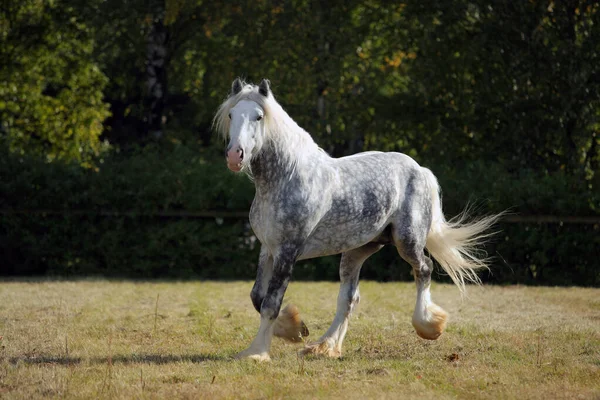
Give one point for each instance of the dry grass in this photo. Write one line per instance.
(102, 339)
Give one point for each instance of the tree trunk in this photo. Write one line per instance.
(156, 72)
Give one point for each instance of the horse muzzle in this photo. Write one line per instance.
(234, 159)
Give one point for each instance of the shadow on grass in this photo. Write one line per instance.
(157, 359)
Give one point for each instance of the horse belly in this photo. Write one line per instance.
(325, 242)
(358, 213)
(348, 228)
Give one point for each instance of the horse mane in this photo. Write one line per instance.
(281, 131)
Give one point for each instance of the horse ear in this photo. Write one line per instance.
(264, 87)
(236, 86)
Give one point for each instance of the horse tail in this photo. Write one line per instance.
(455, 244)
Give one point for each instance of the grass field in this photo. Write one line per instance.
(113, 339)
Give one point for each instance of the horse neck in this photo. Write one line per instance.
(270, 166)
(276, 163)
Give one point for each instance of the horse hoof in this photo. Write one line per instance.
(432, 325)
(248, 354)
(289, 326)
(321, 349)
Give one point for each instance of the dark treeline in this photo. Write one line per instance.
(106, 105)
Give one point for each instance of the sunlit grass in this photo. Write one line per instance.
(104, 339)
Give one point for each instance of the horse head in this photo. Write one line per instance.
(246, 123)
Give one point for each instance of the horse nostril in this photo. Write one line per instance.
(241, 153)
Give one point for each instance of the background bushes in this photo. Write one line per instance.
(137, 217)
(107, 156)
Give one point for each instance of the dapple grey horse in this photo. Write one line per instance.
(308, 204)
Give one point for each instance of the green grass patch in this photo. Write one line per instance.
(107, 339)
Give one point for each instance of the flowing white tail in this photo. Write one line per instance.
(455, 244)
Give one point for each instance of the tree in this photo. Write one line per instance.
(50, 88)
(510, 82)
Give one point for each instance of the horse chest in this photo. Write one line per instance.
(284, 217)
(259, 217)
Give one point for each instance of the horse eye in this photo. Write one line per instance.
(259, 117)
(229, 115)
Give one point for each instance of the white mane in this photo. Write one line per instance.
(281, 131)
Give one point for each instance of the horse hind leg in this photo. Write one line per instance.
(330, 344)
(429, 319)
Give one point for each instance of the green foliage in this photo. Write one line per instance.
(107, 222)
(132, 243)
(509, 82)
(501, 101)
(50, 89)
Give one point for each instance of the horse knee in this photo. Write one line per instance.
(429, 263)
(256, 298)
(270, 310)
(423, 271)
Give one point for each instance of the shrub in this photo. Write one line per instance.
(122, 221)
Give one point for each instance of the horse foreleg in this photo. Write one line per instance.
(264, 273)
(288, 326)
(270, 306)
(330, 344)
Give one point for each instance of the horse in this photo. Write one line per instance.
(308, 204)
